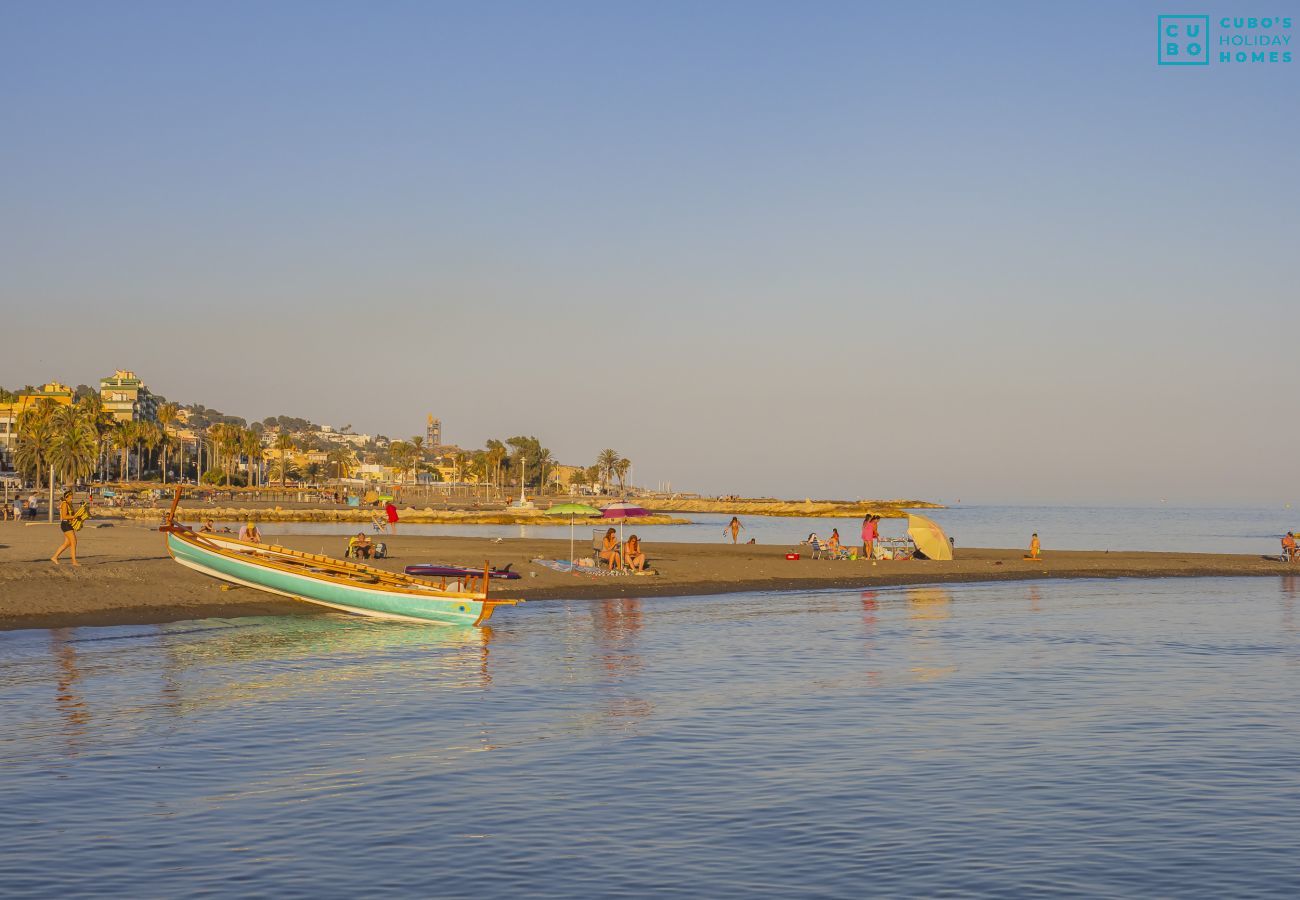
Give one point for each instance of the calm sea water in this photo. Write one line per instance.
(1133, 738)
(1255, 531)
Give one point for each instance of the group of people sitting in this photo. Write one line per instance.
(622, 555)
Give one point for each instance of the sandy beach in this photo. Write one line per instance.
(127, 577)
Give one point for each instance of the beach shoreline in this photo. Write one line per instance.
(126, 576)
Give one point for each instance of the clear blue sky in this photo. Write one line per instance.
(954, 250)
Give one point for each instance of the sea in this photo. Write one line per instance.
(1161, 528)
(1108, 738)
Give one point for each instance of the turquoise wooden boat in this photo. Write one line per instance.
(334, 583)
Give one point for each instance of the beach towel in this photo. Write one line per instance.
(564, 565)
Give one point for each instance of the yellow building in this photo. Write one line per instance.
(9, 413)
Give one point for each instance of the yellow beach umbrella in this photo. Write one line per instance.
(928, 537)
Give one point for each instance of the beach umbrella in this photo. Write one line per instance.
(928, 537)
(572, 510)
(622, 511)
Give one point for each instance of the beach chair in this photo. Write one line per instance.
(598, 544)
(822, 550)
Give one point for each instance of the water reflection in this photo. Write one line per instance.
(927, 649)
(67, 697)
(617, 624)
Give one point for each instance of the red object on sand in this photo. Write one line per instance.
(792, 556)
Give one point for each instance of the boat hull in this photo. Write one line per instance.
(288, 574)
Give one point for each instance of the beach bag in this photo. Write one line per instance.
(381, 550)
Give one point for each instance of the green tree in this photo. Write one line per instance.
(606, 463)
(36, 434)
(74, 445)
(283, 445)
(342, 460)
(167, 413)
(250, 444)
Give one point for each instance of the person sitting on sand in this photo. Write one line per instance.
(609, 549)
(1035, 548)
(208, 527)
(1289, 551)
(633, 557)
(361, 545)
(834, 542)
(248, 532)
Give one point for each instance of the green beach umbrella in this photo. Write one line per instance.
(572, 510)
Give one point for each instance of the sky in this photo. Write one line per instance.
(982, 252)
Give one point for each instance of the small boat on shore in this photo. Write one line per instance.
(443, 570)
(334, 583)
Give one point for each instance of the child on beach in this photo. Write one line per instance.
(1035, 548)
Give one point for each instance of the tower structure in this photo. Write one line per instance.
(433, 433)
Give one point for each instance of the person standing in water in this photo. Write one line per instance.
(68, 524)
(735, 528)
(390, 511)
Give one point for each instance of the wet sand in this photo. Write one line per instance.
(126, 576)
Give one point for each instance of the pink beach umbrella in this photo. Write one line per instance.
(622, 511)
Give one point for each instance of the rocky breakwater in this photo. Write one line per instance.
(427, 515)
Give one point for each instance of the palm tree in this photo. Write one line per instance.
(606, 462)
(343, 459)
(621, 468)
(122, 438)
(250, 443)
(496, 453)
(226, 440)
(74, 446)
(167, 413)
(402, 456)
(151, 436)
(36, 435)
(283, 443)
(544, 459)
(285, 468)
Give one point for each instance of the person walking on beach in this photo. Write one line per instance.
(869, 529)
(68, 524)
(18, 508)
(33, 503)
(1035, 548)
(391, 512)
(735, 528)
